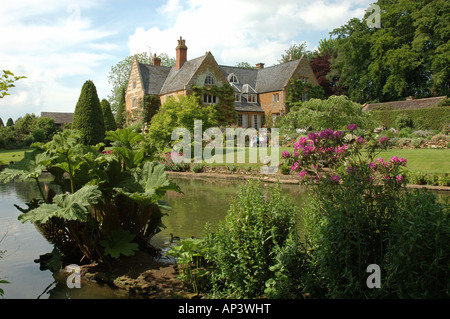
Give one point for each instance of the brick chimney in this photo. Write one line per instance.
(156, 60)
(259, 66)
(181, 53)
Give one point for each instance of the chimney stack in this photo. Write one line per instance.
(181, 50)
(156, 60)
(259, 66)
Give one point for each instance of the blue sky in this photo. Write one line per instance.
(59, 44)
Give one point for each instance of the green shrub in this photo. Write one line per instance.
(88, 116)
(197, 168)
(418, 256)
(285, 169)
(245, 246)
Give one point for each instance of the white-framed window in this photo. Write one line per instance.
(233, 79)
(134, 103)
(276, 97)
(256, 121)
(209, 99)
(251, 98)
(209, 80)
(243, 120)
(237, 97)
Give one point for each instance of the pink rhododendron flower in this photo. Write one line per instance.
(302, 174)
(383, 140)
(399, 178)
(285, 154)
(335, 178)
(352, 127)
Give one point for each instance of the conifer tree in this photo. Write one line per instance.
(10, 122)
(121, 109)
(1, 123)
(88, 116)
(108, 117)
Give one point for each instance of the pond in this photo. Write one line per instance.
(203, 201)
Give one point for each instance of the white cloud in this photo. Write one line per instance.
(243, 30)
(48, 43)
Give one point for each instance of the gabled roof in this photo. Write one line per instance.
(153, 77)
(244, 76)
(276, 77)
(178, 79)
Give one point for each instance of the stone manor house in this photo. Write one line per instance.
(258, 92)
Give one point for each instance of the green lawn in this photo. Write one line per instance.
(7, 156)
(419, 160)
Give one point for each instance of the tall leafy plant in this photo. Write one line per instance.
(109, 203)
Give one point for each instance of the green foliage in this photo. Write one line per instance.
(298, 89)
(407, 56)
(225, 108)
(179, 113)
(108, 117)
(245, 246)
(120, 119)
(434, 118)
(10, 122)
(119, 243)
(109, 203)
(335, 113)
(7, 80)
(88, 116)
(190, 255)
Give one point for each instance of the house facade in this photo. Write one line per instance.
(259, 93)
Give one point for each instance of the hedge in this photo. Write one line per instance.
(434, 118)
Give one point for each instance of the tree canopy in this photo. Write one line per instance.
(406, 56)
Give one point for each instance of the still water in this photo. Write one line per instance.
(203, 201)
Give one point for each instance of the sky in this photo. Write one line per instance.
(60, 44)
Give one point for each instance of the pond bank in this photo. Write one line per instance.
(244, 174)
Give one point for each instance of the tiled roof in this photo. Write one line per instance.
(177, 79)
(408, 104)
(275, 78)
(59, 117)
(153, 77)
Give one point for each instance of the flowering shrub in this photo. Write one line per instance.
(357, 204)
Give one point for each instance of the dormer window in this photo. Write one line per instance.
(209, 80)
(251, 98)
(233, 78)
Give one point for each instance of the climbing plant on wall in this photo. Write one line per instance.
(225, 105)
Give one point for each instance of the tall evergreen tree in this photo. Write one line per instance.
(108, 117)
(1, 123)
(121, 109)
(88, 117)
(10, 122)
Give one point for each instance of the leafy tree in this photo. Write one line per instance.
(1, 123)
(88, 117)
(245, 65)
(25, 125)
(295, 52)
(407, 56)
(108, 117)
(181, 112)
(120, 73)
(47, 126)
(7, 80)
(10, 122)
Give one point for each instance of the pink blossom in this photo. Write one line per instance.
(372, 165)
(336, 179)
(285, 154)
(295, 154)
(403, 161)
(399, 178)
(352, 127)
(380, 160)
(394, 159)
(295, 166)
(302, 174)
(360, 140)
(383, 140)
(338, 134)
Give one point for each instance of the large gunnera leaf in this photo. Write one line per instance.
(119, 243)
(67, 206)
